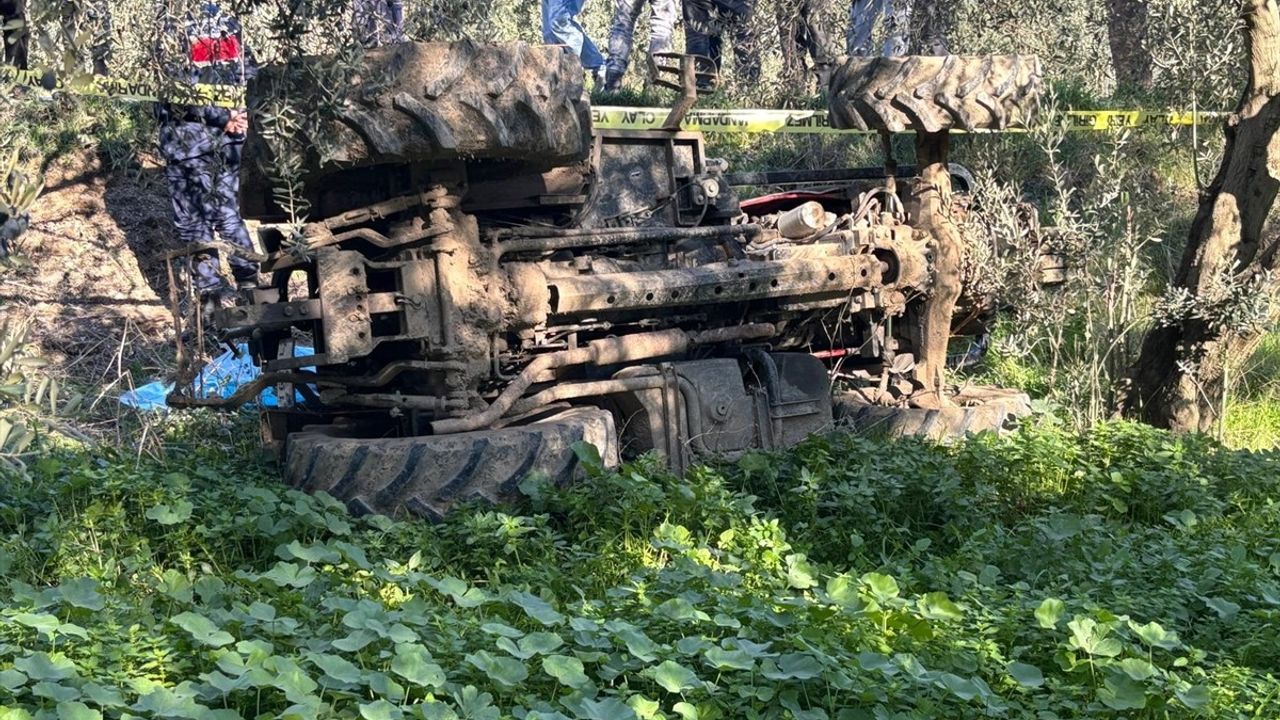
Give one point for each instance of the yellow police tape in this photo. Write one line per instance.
(47, 81)
(804, 122)
(818, 122)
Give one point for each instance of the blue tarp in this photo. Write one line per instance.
(221, 378)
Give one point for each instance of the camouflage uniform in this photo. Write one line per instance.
(662, 29)
(202, 159)
(705, 24)
(801, 33)
(379, 22)
(863, 16)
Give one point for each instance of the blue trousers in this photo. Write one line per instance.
(205, 192)
(560, 26)
(662, 28)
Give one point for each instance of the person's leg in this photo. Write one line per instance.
(863, 17)
(662, 25)
(224, 209)
(560, 27)
(395, 21)
(592, 58)
(189, 186)
(897, 15)
(364, 22)
(789, 43)
(697, 28)
(621, 38)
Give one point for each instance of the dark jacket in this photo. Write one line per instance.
(215, 55)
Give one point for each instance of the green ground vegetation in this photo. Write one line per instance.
(1118, 572)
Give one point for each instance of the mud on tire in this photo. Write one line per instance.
(933, 94)
(442, 101)
(425, 476)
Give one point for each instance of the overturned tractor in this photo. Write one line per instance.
(487, 282)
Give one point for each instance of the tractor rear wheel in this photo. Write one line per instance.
(425, 476)
(935, 94)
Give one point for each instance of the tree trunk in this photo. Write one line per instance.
(930, 328)
(1178, 381)
(1127, 29)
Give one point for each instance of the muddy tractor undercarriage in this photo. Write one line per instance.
(489, 283)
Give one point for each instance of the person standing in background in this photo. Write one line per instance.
(864, 15)
(662, 29)
(379, 22)
(14, 32)
(560, 26)
(801, 33)
(705, 24)
(202, 148)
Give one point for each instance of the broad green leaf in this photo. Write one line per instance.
(963, 688)
(881, 587)
(1091, 638)
(508, 672)
(338, 668)
(77, 711)
(1049, 612)
(171, 514)
(1028, 676)
(793, 666)
(567, 671)
(645, 708)
(1223, 607)
(262, 612)
(800, 572)
(540, 643)
(384, 686)
(506, 631)
(672, 676)
(1194, 697)
(722, 659)
(380, 710)
(354, 642)
(638, 644)
(311, 554)
(55, 692)
(43, 623)
(681, 610)
(290, 575)
(1156, 636)
(536, 608)
(1120, 692)
(937, 606)
(296, 684)
(843, 590)
(610, 708)
(202, 629)
(40, 666)
(82, 593)
(1137, 668)
(12, 679)
(103, 696)
(686, 711)
(415, 664)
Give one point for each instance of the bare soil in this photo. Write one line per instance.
(92, 276)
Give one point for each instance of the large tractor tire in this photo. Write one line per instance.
(424, 103)
(425, 476)
(935, 94)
